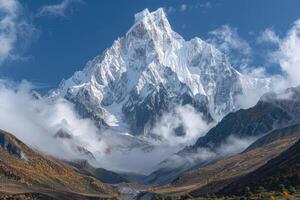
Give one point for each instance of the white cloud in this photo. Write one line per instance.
(183, 7)
(205, 5)
(189, 124)
(227, 39)
(36, 121)
(288, 54)
(188, 7)
(58, 10)
(231, 145)
(268, 36)
(170, 9)
(14, 27)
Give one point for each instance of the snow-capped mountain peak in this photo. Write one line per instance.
(151, 70)
(157, 17)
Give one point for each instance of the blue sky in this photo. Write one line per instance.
(62, 35)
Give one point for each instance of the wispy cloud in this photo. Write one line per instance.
(230, 146)
(288, 54)
(287, 51)
(183, 7)
(14, 26)
(58, 10)
(268, 36)
(187, 7)
(227, 39)
(283, 52)
(170, 9)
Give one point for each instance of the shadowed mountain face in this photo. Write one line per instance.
(24, 171)
(289, 131)
(284, 169)
(273, 111)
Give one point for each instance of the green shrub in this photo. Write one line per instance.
(159, 197)
(260, 189)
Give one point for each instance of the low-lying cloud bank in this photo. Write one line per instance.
(54, 127)
(201, 156)
(36, 121)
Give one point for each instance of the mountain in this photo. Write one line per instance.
(215, 176)
(26, 173)
(101, 174)
(149, 72)
(283, 169)
(292, 130)
(233, 134)
(274, 110)
(63, 134)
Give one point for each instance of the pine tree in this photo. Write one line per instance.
(213, 196)
(282, 188)
(248, 192)
(261, 189)
(292, 190)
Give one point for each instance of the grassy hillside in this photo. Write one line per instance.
(280, 173)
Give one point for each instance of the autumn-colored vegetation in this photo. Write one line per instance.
(37, 172)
